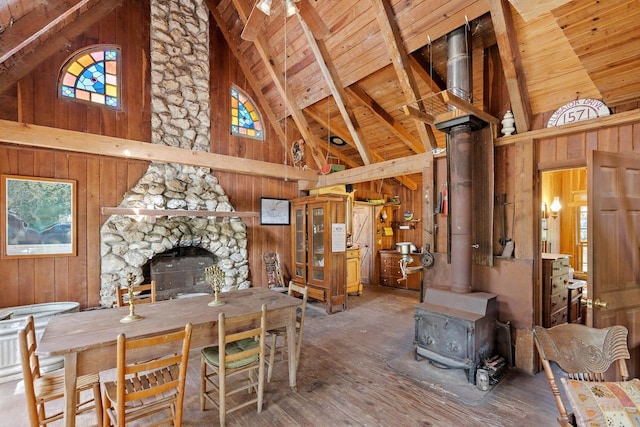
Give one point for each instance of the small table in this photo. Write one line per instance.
(604, 403)
(87, 339)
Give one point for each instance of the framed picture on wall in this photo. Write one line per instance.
(274, 211)
(39, 217)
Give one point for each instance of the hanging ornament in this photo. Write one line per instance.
(298, 153)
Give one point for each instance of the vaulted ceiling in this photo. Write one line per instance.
(376, 78)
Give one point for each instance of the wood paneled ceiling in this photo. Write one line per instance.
(383, 60)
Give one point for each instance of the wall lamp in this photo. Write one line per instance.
(555, 207)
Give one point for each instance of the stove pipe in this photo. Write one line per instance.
(460, 151)
(459, 64)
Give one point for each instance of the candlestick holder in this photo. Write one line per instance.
(132, 316)
(214, 275)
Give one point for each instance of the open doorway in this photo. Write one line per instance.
(564, 217)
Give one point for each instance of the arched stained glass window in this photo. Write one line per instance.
(245, 117)
(92, 75)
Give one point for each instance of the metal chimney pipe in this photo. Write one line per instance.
(459, 64)
(460, 151)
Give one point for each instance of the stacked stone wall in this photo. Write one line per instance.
(180, 117)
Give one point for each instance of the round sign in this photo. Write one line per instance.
(578, 110)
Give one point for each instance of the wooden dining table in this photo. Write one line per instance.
(87, 339)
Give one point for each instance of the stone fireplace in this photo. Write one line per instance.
(180, 117)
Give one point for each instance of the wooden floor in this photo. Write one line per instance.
(344, 380)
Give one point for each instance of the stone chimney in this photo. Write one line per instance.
(180, 117)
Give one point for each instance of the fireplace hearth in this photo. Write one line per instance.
(180, 271)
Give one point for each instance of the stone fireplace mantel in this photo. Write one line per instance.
(175, 212)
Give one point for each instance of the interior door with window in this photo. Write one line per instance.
(614, 246)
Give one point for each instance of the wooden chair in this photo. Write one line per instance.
(142, 294)
(583, 353)
(237, 363)
(273, 346)
(142, 389)
(41, 388)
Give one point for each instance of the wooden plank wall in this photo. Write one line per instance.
(409, 200)
(512, 163)
(102, 181)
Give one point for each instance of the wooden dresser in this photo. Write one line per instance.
(391, 275)
(555, 278)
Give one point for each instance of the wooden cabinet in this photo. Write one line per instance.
(575, 310)
(555, 278)
(391, 274)
(318, 250)
(354, 285)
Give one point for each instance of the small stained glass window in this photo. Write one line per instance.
(246, 120)
(92, 75)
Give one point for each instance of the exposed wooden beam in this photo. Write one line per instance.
(276, 74)
(81, 142)
(253, 24)
(532, 9)
(418, 115)
(399, 58)
(249, 75)
(385, 118)
(343, 133)
(455, 101)
(511, 63)
(44, 31)
(337, 90)
(419, 65)
(37, 26)
(313, 20)
(376, 171)
(620, 119)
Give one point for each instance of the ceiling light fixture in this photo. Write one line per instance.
(264, 6)
(336, 140)
(291, 8)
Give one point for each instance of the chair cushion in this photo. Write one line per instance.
(604, 403)
(211, 354)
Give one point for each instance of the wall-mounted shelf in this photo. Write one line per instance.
(405, 225)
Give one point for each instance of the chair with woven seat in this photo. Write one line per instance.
(236, 363)
(584, 354)
(152, 387)
(41, 388)
(142, 294)
(280, 345)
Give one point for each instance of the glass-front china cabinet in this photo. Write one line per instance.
(319, 248)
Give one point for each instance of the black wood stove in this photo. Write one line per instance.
(456, 330)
